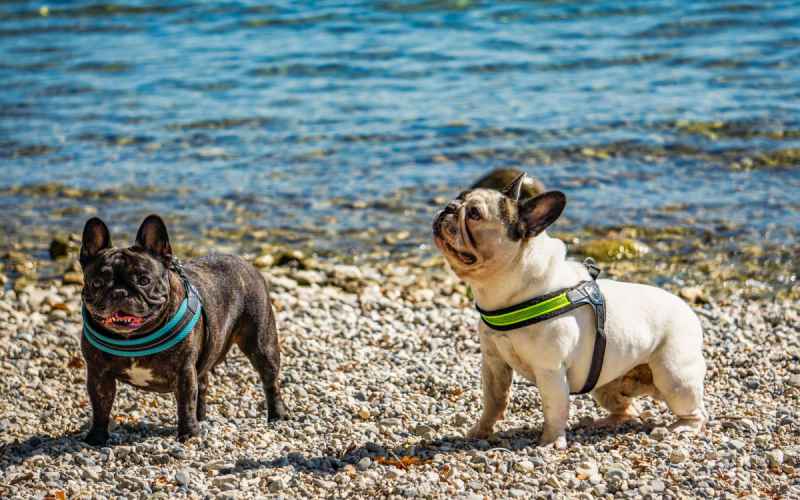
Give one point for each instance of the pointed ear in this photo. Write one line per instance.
(95, 238)
(514, 189)
(153, 237)
(539, 212)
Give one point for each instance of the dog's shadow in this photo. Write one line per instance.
(331, 461)
(72, 442)
(514, 441)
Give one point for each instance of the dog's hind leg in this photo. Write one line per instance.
(618, 396)
(202, 390)
(678, 373)
(620, 407)
(260, 345)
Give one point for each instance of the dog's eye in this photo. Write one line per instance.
(474, 213)
(97, 283)
(142, 280)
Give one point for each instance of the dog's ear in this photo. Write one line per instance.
(514, 190)
(539, 212)
(95, 238)
(153, 237)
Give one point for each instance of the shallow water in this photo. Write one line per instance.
(645, 113)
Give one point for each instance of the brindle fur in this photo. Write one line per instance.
(237, 311)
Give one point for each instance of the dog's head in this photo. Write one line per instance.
(126, 290)
(484, 230)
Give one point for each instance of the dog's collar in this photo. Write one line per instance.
(554, 304)
(176, 329)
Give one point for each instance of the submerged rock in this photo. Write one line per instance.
(62, 245)
(605, 250)
(499, 178)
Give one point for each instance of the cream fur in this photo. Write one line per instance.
(654, 339)
(644, 326)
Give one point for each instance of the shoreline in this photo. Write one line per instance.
(673, 258)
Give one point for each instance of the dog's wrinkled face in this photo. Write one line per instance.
(484, 229)
(126, 290)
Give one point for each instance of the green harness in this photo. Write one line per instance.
(554, 304)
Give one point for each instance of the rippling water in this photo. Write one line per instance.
(292, 115)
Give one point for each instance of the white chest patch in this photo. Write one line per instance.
(139, 376)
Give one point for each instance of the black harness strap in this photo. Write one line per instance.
(589, 293)
(584, 293)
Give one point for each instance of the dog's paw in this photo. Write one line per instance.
(96, 437)
(479, 431)
(688, 426)
(557, 441)
(188, 432)
(612, 421)
(278, 412)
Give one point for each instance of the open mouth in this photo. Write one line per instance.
(465, 257)
(120, 319)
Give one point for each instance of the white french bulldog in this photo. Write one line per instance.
(498, 245)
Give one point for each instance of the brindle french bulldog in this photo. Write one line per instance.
(131, 292)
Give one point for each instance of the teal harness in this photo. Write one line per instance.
(554, 304)
(171, 334)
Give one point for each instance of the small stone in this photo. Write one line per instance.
(616, 472)
(678, 455)
(183, 477)
(587, 470)
(51, 476)
(391, 422)
(794, 380)
(657, 486)
(693, 294)
(91, 473)
(82, 459)
(424, 431)
(343, 271)
(763, 440)
(659, 433)
(225, 483)
(775, 458)
(516, 493)
(364, 413)
(264, 261)
(218, 465)
(73, 278)
(525, 466)
(737, 444)
(460, 419)
(276, 485)
(364, 464)
(393, 473)
(61, 246)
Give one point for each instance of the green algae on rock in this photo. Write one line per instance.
(609, 249)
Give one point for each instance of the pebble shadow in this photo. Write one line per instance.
(55, 446)
(512, 441)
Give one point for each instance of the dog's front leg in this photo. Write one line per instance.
(102, 387)
(496, 378)
(186, 396)
(554, 389)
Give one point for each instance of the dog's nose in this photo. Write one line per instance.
(118, 294)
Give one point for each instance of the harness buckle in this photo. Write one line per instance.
(177, 266)
(592, 267)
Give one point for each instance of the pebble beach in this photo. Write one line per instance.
(381, 375)
(318, 140)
